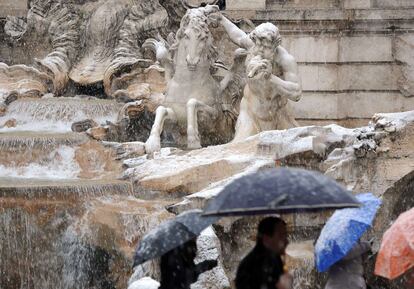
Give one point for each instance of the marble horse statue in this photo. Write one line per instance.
(194, 97)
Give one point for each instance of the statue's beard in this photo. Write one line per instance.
(254, 51)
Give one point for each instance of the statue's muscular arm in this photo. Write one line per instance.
(238, 36)
(290, 86)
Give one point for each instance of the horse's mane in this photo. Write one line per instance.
(198, 20)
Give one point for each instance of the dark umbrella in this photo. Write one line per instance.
(171, 234)
(280, 190)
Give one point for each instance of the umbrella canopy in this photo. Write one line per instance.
(171, 234)
(280, 190)
(343, 230)
(396, 255)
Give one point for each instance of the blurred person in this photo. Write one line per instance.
(349, 271)
(263, 267)
(178, 270)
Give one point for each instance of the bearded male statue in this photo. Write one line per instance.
(272, 79)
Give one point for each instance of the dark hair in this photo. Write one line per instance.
(268, 225)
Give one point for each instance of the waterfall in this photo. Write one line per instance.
(58, 114)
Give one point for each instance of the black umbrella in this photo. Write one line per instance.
(171, 234)
(280, 190)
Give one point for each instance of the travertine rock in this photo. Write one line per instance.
(203, 172)
(10, 123)
(84, 125)
(98, 133)
(127, 150)
(209, 248)
(377, 158)
(23, 81)
(96, 161)
(3, 108)
(143, 84)
(117, 223)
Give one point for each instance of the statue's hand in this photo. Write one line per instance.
(215, 18)
(259, 68)
(210, 9)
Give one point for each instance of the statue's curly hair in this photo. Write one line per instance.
(195, 18)
(266, 31)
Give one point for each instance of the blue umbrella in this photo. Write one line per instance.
(343, 230)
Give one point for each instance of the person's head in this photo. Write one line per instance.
(272, 233)
(266, 38)
(190, 248)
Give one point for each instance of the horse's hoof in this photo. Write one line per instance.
(193, 143)
(152, 145)
(194, 146)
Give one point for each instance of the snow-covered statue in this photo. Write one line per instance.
(272, 79)
(194, 97)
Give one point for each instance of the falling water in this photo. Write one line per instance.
(63, 190)
(58, 114)
(23, 141)
(41, 230)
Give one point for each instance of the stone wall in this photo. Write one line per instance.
(13, 8)
(355, 56)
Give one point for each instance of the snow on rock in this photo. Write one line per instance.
(371, 158)
(198, 200)
(191, 172)
(392, 122)
(282, 143)
(382, 154)
(150, 270)
(208, 246)
(127, 150)
(144, 283)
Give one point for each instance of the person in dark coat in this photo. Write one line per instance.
(263, 268)
(178, 270)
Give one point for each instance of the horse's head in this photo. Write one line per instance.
(194, 42)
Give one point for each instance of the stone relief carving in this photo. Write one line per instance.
(87, 44)
(272, 80)
(55, 26)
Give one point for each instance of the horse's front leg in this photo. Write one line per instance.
(193, 107)
(153, 144)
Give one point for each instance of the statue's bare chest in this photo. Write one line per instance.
(277, 69)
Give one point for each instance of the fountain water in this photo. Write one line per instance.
(58, 114)
(48, 175)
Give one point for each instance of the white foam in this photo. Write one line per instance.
(144, 283)
(60, 164)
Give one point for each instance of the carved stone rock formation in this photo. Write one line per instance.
(87, 45)
(377, 158)
(23, 81)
